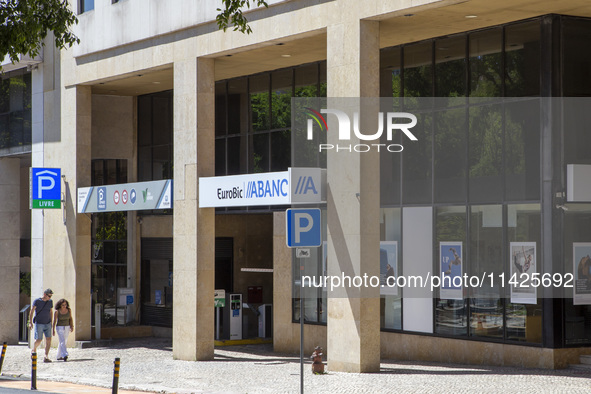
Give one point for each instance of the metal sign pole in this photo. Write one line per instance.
(301, 260)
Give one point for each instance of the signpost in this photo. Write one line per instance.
(45, 188)
(219, 301)
(303, 230)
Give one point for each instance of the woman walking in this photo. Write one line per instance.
(62, 320)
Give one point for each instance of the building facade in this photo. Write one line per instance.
(156, 92)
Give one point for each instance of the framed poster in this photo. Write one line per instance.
(522, 257)
(388, 267)
(582, 273)
(450, 267)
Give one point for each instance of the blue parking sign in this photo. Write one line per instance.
(303, 227)
(45, 188)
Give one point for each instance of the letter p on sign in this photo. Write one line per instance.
(303, 227)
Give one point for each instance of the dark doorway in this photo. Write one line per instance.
(224, 264)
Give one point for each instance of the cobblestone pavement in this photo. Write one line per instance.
(147, 365)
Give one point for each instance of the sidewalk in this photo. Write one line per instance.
(147, 365)
(11, 385)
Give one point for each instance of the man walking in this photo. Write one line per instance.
(42, 308)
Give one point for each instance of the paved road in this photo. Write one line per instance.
(147, 365)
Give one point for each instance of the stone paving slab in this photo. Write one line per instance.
(147, 365)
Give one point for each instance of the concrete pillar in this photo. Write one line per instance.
(79, 225)
(194, 228)
(353, 326)
(285, 335)
(65, 262)
(10, 247)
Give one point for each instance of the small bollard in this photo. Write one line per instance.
(2, 357)
(34, 371)
(116, 376)
(317, 365)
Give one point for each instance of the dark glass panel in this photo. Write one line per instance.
(522, 59)
(280, 150)
(576, 72)
(451, 315)
(220, 156)
(161, 163)
(522, 150)
(485, 156)
(450, 156)
(234, 155)
(418, 70)
(524, 321)
(485, 63)
(416, 163)
(486, 257)
(110, 172)
(162, 118)
(306, 81)
(259, 102)
(144, 164)
(144, 119)
(281, 92)
(220, 108)
(577, 233)
(577, 138)
(260, 153)
(237, 106)
(323, 86)
(450, 67)
(390, 76)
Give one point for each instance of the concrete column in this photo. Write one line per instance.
(194, 228)
(10, 247)
(65, 265)
(353, 332)
(79, 225)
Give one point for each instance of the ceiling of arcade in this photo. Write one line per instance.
(409, 25)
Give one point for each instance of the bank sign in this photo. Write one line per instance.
(126, 197)
(45, 188)
(294, 186)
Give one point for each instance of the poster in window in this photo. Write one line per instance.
(388, 267)
(450, 270)
(522, 259)
(582, 273)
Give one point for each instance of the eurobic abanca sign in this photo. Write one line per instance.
(45, 188)
(294, 186)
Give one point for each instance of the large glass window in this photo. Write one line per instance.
(577, 246)
(451, 311)
(314, 292)
(109, 246)
(524, 320)
(522, 59)
(85, 5)
(390, 265)
(253, 120)
(485, 63)
(155, 145)
(15, 109)
(486, 257)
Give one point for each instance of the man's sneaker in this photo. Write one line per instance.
(46, 360)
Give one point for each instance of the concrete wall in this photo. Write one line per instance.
(113, 128)
(9, 245)
(112, 25)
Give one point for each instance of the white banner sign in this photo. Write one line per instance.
(294, 186)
